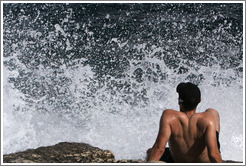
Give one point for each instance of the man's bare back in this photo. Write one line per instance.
(187, 142)
(191, 136)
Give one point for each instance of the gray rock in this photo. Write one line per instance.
(63, 152)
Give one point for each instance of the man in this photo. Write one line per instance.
(192, 137)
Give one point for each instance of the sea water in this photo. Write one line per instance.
(103, 73)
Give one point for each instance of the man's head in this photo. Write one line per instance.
(189, 95)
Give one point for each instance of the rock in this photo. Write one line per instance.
(131, 161)
(63, 152)
(66, 152)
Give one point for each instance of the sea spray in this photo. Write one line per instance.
(103, 73)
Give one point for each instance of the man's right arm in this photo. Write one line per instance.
(211, 143)
(163, 136)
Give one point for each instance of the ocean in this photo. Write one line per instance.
(102, 73)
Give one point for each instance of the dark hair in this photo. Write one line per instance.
(189, 95)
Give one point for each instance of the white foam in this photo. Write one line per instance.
(110, 124)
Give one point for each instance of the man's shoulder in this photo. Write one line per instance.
(205, 115)
(170, 112)
(168, 115)
(205, 118)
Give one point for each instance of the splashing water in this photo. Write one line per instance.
(103, 73)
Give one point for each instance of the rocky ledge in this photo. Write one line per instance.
(66, 152)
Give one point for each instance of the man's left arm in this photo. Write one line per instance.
(211, 143)
(163, 136)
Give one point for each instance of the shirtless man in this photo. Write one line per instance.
(192, 137)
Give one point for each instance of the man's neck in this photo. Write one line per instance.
(189, 113)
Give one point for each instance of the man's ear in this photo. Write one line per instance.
(179, 101)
